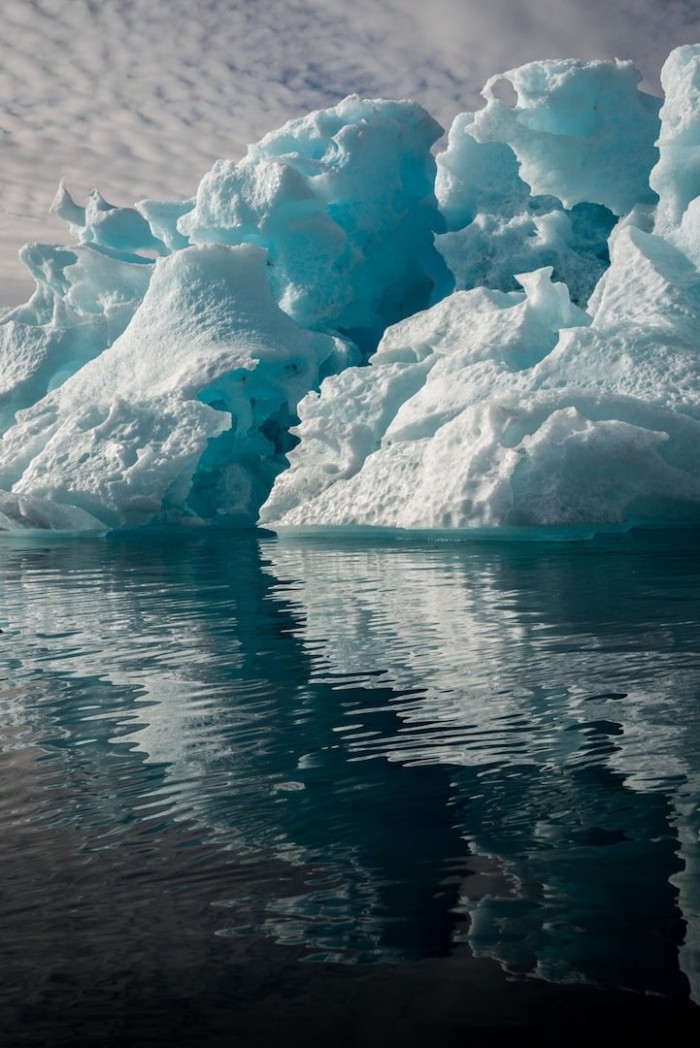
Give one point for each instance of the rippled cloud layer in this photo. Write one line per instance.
(139, 96)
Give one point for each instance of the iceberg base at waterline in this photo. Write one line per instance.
(342, 330)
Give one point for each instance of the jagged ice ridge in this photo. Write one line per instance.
(344, 329)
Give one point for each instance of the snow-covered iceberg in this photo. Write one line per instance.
(528, 300)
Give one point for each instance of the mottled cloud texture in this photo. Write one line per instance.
(139, 97)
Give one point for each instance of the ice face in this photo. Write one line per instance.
(581, 130)
(529, 301)
(497, 409)
(184, 416)
(343, 202)
(497, 228)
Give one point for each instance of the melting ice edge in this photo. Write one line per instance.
(343, 329)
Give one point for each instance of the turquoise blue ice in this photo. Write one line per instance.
(346, 329)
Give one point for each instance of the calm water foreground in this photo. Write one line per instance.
(256, 791)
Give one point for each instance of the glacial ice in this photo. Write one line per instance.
(186, 415)
(344, 329)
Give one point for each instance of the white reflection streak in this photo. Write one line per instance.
(482, 659)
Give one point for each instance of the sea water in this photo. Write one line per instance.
(246, 781)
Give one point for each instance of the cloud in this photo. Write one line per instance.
(505, 33)
(140, 96)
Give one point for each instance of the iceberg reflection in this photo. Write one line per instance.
(559, 686)
(404, 750)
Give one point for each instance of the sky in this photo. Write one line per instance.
(139, 97)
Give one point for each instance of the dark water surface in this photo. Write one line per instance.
(256, 791)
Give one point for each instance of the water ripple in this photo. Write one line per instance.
(394, 750)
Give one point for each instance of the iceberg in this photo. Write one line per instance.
(346, 329)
